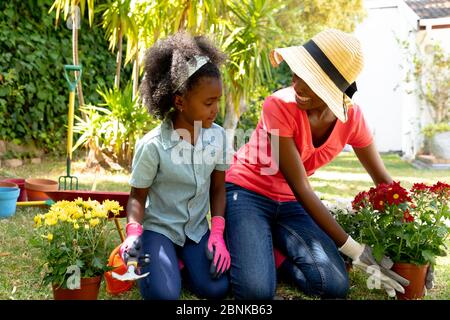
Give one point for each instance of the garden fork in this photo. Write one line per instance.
(68, 181)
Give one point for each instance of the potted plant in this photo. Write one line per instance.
(409, 226)
(72, 237)
(438, 139)
(432, 73)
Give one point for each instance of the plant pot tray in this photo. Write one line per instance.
(70, 195)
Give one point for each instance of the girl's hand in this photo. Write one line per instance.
(134, 231)
(216, 249)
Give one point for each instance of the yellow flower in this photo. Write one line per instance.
(100, 213)
(94, 222)
(49, 236)
(112, 206)
(63, 216)
(51, 220)
(88, 215)
(37, 220)
(78, 213)
(76, 226)
(86, 226)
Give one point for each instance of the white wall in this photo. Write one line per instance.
(380, 94)
(442, 36)
(394, 115)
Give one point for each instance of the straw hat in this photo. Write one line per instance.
(329, 63)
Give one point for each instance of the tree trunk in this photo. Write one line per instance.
(95, 157)
(181, 25)
(136, 74)
(231, 119)
(118, 60)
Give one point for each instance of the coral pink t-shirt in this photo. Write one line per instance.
(253, 167)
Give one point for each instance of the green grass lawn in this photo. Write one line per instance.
(344, 177)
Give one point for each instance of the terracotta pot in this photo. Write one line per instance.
(7, 184)
(416, 275)
(21, 183)
(89, 288)
(36, 188)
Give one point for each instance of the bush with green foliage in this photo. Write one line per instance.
(113, 127)
(282, 77)
(33, 91)
(430, 130)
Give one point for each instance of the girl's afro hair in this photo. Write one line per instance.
(166, 63)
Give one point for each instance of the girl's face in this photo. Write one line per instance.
(306, 98)
(201, 103)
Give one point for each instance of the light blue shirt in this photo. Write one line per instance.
(179, 176)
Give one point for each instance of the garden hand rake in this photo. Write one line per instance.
(68, 181)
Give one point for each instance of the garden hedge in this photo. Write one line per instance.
(33, 91)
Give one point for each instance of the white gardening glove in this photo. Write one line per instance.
(363, 259)
(429, 280)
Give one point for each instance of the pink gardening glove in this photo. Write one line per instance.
(217, 250)
(134, 231)
(279, 257)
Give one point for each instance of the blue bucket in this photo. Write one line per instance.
(8, 200)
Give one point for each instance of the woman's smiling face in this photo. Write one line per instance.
(304, 96)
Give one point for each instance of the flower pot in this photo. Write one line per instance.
(89, 288)
(8, 200)
(440, 145)
(21, 184)
(7, 184)
(36, 188)
(416, 274)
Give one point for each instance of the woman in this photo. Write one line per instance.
(270, 202)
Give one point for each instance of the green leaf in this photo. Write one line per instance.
(79, 263)
(378, 252)
(428, 256)
(4, 91)
(97, 263)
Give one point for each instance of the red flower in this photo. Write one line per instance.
(419, 187)
(377, 196)
(361, 200)
(407, 217)
(388, 194)
(396, 194)
(441, 188)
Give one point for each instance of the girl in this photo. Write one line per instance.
(178, 173)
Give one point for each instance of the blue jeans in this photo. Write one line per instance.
(164, 280)
(254, 224)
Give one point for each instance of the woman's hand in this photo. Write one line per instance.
(380, 274)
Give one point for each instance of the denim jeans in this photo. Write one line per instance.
(164, 280)
(254, 224)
